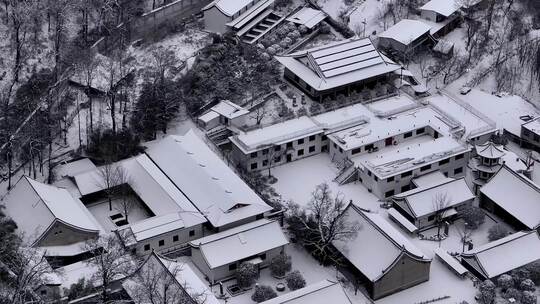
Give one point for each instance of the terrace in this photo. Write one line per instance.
(116, 218)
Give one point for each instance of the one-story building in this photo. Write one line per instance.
(504, 255)
(530, 134)
(338, 68)
(422, 205)
(218, 256)
(380, 257)
(404, 37)
(48, 216)
(513, 197)
(225, 113)
(172, 280)
(208, 183)
(442, 15)
(323, 292)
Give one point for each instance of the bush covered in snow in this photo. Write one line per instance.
(263, 293)
(534, 272)
(527, 285)
(505, 281)
(295, 280)
(473, 217)
(324, 28)
(486, 292)
(529, 297)
(246, 274)
(280, 265)
(498, 231)
(512, 293)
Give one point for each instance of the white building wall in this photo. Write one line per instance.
(146, 246)
(428, 15)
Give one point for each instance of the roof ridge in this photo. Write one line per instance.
(510, 239)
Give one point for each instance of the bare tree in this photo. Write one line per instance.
(158, 282)
(111, 262)
(111, 177)
(441, 201)
(259, 114)
(27, 271)
(322, 223)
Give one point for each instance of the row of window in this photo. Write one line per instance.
(289, 145)
(277, 159)
(175, 239)
(372, 146)
(407, 187)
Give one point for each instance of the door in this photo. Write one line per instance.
(289, 158)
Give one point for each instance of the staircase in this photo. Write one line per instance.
(219, 135)
(256, 31)
(347, 175)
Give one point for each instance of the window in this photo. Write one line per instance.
(263, 256)
(191, 232)
(277, 148)
(390, 179)
(300, 152)
(312, 138)
(458, 170)
(289, 145)
(405, 188)
(323, 137)
(445, 174)
(335, 146)
(407, 135)
(277, 159)
(444, 162)
(311, 149)
(43, 292)
(300, 141)
(389, 193)
(340, 150)
(375, 177)
(420, 131)
(232, 267)
(253, 166)
(254, 155)
(265, 151)
(369, 173)
(356, 151)
(431, 218)
(369, 147)
(175, 238)
(424, 168)
(405, 174)
(265, 163)
(460, 156)
(146, 247)
(161, 243)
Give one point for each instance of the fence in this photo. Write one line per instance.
(150, 24)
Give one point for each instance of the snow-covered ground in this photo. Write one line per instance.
(298, 179)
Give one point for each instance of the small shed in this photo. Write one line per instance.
(308, 17)
(404, 36)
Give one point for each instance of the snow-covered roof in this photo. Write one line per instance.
(421, 201)
(504, 255)
(450, 261)
(403, 221)
(516, 194)
(338, 64)
(475, 123)
(182, 273)
(323, 292)
(240, 242)
(406, 31)
(209, 184)
(490, 150)
(506, 111)
(229, 109)
(276, 134)
(249, 15)
(442, 7)
(75, 167)
(533, 125)
(43, 206)
(386, 244)
(430, 179)
(161, 224)
(308, 17)
(228, 7)
(208, 116)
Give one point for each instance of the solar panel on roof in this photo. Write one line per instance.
(341, 48)
(352, 67)
(348, 53)
(349, 61)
